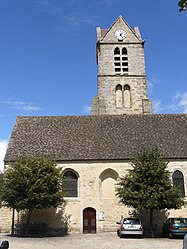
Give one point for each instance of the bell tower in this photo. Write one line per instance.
(121, 74)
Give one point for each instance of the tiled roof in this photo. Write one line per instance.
(98, 137)
(103, 32)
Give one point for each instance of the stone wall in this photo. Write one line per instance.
(90, 195)
(96, 189)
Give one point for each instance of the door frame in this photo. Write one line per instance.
(89, 220)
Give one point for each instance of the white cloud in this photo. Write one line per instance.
(57, 6)
(181, 99)
(3, 147)
(23, 106)
(73, 14)
(54, 6)
(86, 109)
(157, 106)
(76, 21)
(150, 86)
(178, 104)
(152, 81)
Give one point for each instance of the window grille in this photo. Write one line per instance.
(178, 181)
(120, 61)
(70, 184)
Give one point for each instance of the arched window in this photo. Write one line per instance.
(108, 183)
(178, 180)
(119, 97)
(120, 60)
(123, 96)
(117, 63)
(124, 60)
(127, 96)
(116, 51)
(70, 184)
(124, 51)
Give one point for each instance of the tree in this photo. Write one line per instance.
(32, 183)
(182, 4)
(147, 186)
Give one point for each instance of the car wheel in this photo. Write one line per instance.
(164, 235)
(170, 235)
(121, 236)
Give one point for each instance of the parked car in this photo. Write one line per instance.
(4, 244)
(174, 227)
(130, 226)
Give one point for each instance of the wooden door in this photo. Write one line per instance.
(89, 220)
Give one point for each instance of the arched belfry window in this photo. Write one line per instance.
(127, 96)
(124, 60)
(117, 60)
(116, 51)
(70, 184)
(119, 96)
(120, 60)
(124, 51)
(123, 96)
(178, 180)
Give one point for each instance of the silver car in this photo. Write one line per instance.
(130, 226)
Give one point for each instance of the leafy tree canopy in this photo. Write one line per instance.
(32, 183)
(148, 185)
(182, 4)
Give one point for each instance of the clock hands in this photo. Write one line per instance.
(120, 34)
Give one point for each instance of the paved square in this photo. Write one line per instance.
(97, 241)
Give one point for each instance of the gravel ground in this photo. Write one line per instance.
(98, 241)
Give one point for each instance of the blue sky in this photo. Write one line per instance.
(48, 60)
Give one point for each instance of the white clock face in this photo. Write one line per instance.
(120, 35)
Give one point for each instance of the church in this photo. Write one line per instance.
(95, 150)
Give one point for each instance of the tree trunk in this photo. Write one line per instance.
(13, 212)
(27, 221)
(29, 216)
(151, 223)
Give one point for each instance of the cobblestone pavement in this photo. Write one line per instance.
(98, 241)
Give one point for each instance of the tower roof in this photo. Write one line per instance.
(120, 22)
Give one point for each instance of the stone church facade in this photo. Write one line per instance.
(95, 150)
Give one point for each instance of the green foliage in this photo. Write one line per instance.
(32, 183)
(182, 4)
(148, 184)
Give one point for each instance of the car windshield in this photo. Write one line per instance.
(131, 221)
(180, 220)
